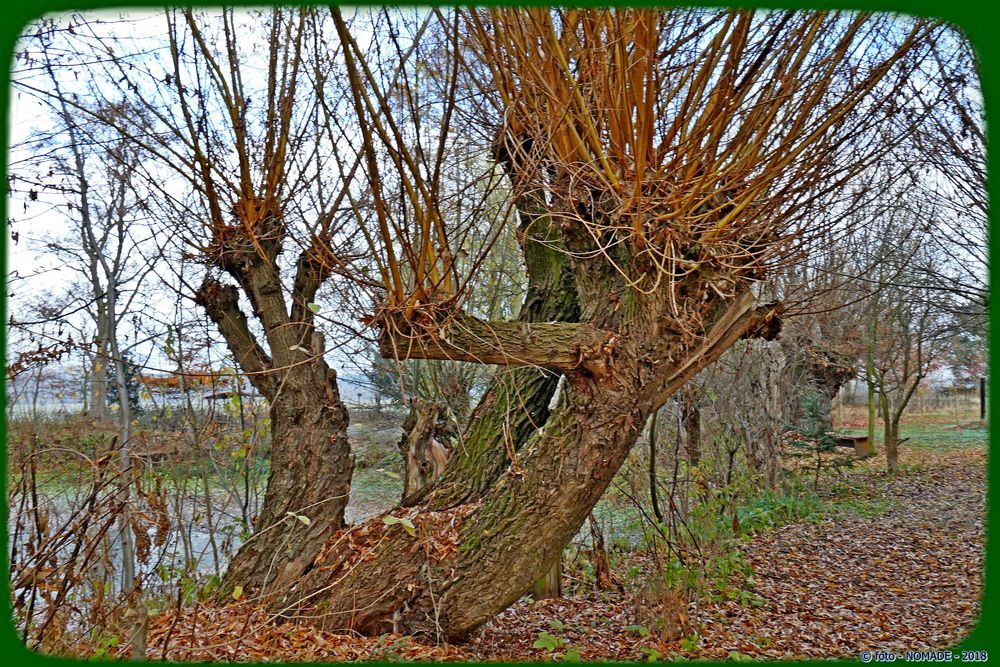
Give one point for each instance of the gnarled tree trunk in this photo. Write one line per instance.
(471, 560)
(310, 473)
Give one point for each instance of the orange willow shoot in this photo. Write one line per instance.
(689, 129)
(668, 143)
(428, 264)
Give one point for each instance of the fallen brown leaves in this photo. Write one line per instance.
(245, 633)
(598, 629)
(907, 578)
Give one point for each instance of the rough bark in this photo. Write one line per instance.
(550, 585)
(308, 419)
(308, 427)
(561, 346)
(468, 562)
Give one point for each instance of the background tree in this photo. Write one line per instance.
(905, 324)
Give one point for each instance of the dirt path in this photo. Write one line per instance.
(908, 579)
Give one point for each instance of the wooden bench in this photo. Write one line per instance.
(859, 443)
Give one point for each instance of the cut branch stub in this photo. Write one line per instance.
(221, 303)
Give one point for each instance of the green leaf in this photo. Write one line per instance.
(642, 630)
(314, 307)
(736, 656)
(405, 523)
(572, 654)
(556, 624)
(302, 518)
(547, 641)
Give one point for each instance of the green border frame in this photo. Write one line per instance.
(978, 20)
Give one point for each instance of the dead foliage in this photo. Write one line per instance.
(907, 577)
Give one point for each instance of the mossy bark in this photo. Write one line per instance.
(466, 563)
(516, 403)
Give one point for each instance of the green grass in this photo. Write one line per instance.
(941, 439)
(934, 437)
(376, 485)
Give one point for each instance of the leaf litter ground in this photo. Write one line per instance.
(903, 578)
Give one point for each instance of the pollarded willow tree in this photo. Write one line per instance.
(230, 109)
(660, 163)
(244, 123)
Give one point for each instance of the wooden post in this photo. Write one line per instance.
(982, 399)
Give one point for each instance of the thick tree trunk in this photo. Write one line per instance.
(515, 405)
(309, 437)
(310, 476)
(468, 562)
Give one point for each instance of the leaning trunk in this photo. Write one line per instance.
(469, 561)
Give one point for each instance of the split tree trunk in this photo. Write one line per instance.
(469, 561)
(310, 477)
(516, 403)
(425, 446)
